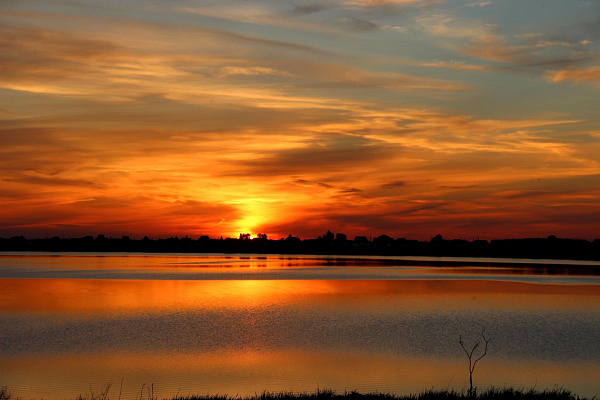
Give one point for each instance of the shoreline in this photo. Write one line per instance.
(147, 393)
(550, 248)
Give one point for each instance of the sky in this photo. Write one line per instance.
(471, 119)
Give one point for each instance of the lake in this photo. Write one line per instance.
(242, 324)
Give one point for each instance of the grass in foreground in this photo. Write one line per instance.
(489, 394)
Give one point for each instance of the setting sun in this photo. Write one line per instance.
(410, 118)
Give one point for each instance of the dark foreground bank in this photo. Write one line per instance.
(550, 247)
(489, 394)
(495, 394)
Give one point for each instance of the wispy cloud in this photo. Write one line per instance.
(376, 3)
(479, 4)
(398, 117)
(488, 42)
(585, 76)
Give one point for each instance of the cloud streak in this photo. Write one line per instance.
(409, 118)
(589, 76)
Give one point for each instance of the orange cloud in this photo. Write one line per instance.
(585, 76)
(194, 122)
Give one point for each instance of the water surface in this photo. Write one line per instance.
(243, 324)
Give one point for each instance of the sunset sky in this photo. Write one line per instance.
(406, 117)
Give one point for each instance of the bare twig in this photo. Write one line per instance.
(486, 340)
(469, 354)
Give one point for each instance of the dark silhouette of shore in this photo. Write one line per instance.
(329, 244)
(506, 393)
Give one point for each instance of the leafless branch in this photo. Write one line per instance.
(486, 340)
(469, 354)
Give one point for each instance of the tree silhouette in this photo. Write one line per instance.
(340, 237)
(329, 236)
(472, 363)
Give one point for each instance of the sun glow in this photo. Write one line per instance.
(152, 126)
(255, 214)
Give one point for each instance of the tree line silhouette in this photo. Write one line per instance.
(550, 247)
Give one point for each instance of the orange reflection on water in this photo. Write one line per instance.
(246, 372)
(105, 296)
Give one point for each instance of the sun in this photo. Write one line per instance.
(255, 214)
